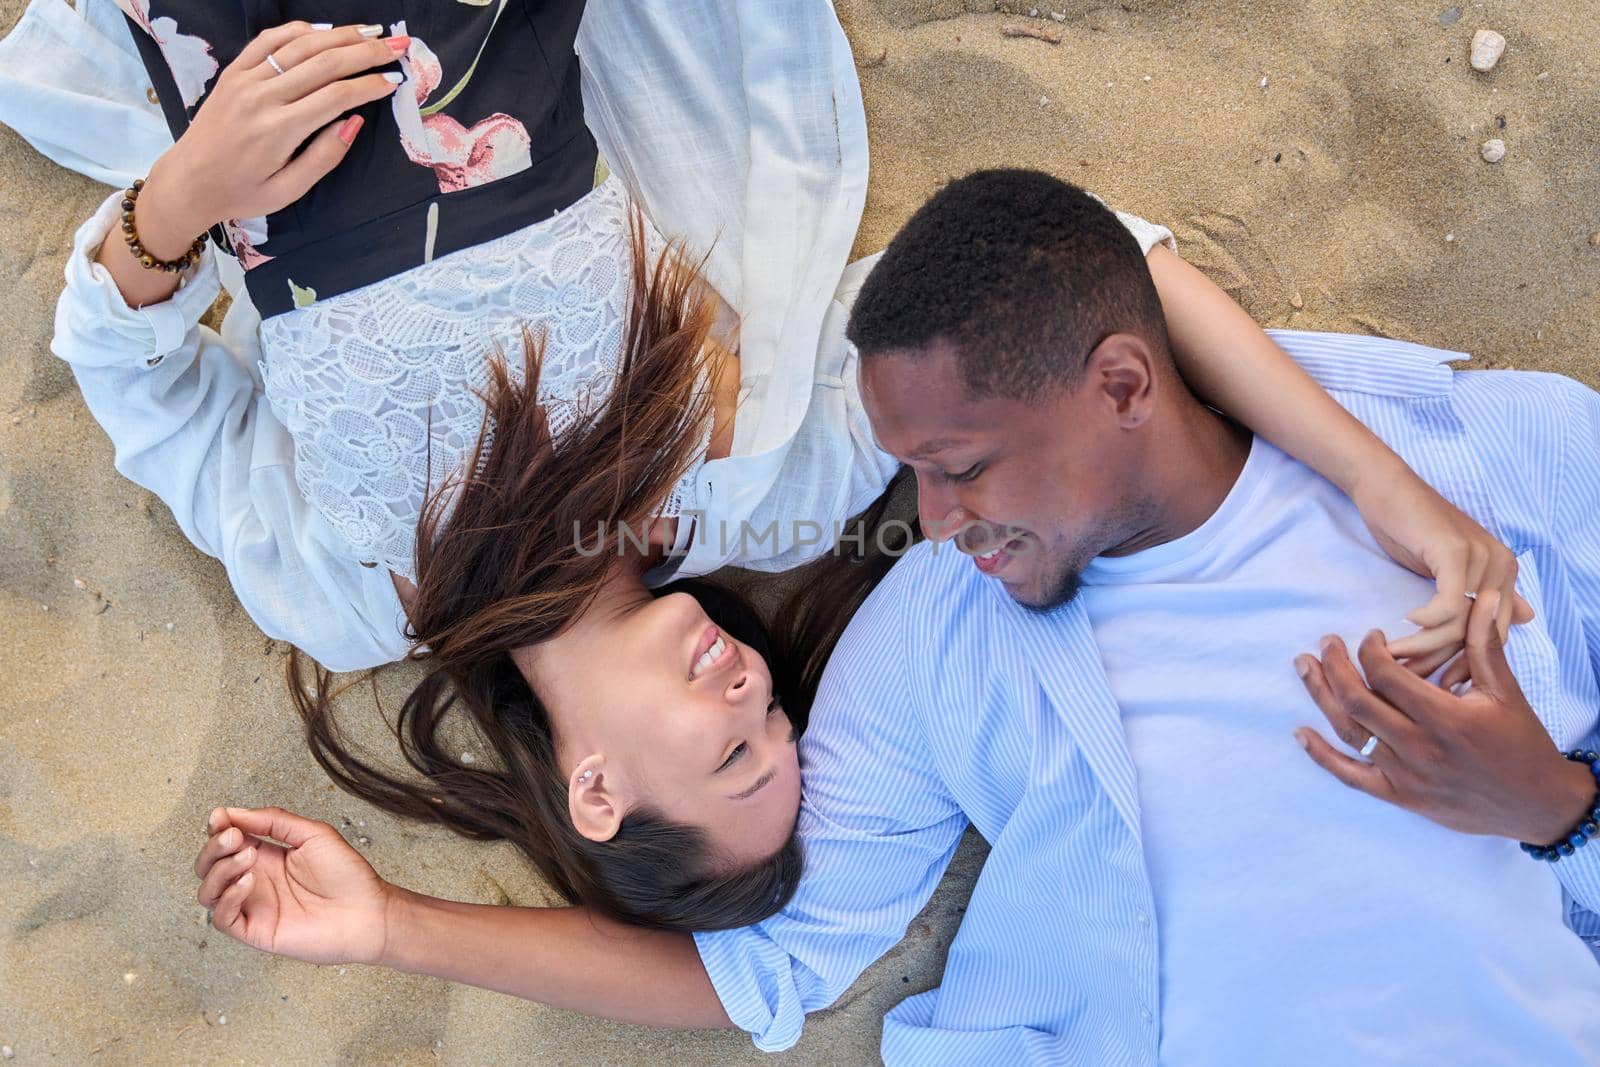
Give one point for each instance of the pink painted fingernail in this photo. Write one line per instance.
(350, 127)
(398, 45)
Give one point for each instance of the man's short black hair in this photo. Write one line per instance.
(1023, 273)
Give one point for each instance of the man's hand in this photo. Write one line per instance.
(1480, 763)
(316, 900)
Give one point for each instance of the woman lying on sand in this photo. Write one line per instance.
(387, 458)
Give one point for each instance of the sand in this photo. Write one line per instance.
(1320, 160)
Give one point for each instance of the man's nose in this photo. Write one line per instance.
(941, 517)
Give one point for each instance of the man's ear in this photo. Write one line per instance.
(595, 810)
(1122, 370)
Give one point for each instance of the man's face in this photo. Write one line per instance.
(1031, 491)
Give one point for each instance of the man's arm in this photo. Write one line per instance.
(1483, 761)
(587, 963)
(877, 829)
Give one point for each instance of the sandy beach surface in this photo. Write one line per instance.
(1322, 160)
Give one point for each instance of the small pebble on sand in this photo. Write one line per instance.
(6, 1051)
(171, 626)
(1487, 48)
(128, 978)
(1450, 16)
(1594, 239)
(1297, 301)
(1263, 82)
(1493, 150)
(1450, 237)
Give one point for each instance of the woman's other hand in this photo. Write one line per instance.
(305, 893)
(1427, 534)
(242, 156)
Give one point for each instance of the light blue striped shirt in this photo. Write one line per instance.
(946, 704)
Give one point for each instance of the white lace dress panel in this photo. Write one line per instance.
(380, 388)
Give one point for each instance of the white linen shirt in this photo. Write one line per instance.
(738, 127)
(946, 704)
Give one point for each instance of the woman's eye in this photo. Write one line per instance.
(733, 757)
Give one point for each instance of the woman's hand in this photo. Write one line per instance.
(242, 156)
(311, 897)
(1427, 534)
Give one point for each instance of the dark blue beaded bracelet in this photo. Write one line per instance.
(1588, 826)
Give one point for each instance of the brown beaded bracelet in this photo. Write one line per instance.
(130, 234)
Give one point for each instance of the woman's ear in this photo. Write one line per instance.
(596, 811)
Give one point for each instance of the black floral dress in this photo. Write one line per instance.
(486, 135)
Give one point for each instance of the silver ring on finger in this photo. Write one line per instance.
(1470, 594)
(1370, 747)
(272, 61)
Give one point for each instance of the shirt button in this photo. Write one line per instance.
(1141, 918)
(369, 563)
(154, 361)
(150, 95)
(1144, 1013)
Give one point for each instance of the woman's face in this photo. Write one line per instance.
(655, 706)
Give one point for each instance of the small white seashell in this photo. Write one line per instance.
(1493, 150)
(1487, 48)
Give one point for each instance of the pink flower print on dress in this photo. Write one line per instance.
(187, 56)
(493, 148)
(244, 235)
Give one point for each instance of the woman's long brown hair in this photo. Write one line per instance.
(500, 566)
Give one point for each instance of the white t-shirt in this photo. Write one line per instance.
(1288, 904)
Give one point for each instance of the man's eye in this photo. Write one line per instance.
(967, 475)
(733, 757)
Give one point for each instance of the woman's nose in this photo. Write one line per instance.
(737, 687)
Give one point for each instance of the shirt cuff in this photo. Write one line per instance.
(747, 984)
(94, 313)
(1148, 234)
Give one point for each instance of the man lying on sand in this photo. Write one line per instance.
(1100, 682)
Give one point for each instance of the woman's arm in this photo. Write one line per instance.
(1231, 363)
(189, 422)
(184, 411)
